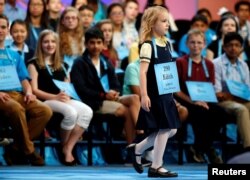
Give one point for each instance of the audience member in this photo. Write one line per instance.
(71, 35)
(229, 67)
(198, 22)
(46, 67)
(14, 11)
(242, 9)
(209, 32)
(193, 67)
(36, 20)
(97, 85)
(225, 25)
(19, 33)
(78, 3)
(87, 16)
(2, 6)
(99, 8)
(26, 116)
(54, 11)
(108, 51)
(131, 10)
(115, 13)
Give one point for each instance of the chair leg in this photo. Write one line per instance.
(90, 144)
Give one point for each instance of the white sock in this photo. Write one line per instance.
(143, 145)
(159, 148)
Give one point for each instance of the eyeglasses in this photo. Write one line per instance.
(36, 4)
(70, 17)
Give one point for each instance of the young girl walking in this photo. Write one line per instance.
(158, 114)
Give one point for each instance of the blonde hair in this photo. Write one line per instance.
(195, 32)
(56, 58)
(65, 44)
(149, 19)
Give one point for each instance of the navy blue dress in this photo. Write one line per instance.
(163, 113)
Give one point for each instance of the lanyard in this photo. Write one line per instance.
(155, 49)
(50, 72)
(203, 65)
(34, 33)
(9, 56)
(219, 47)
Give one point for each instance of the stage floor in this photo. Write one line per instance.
(116, 172)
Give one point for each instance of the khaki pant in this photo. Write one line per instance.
(241, 112)
(26, 120)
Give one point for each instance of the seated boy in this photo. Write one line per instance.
(26, 116)
(97, 85)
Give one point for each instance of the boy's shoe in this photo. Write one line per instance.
(196, 156)
(35, 159)
(213, 157)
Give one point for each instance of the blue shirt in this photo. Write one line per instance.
(14, 13)
(225, 70)
(131, 77)
(10, 57)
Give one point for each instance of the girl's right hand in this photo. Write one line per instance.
(145, 103)
(62, 96)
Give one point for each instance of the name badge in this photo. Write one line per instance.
(122, 52)
(201, 91)
(105, 82)
(68, 88)
(238, 89)
(8, 78)
(167, 78)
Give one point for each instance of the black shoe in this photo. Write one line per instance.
(195, 156)
(35, 159)
(72, 163)
(138, 167)
(145, 162)
(213, 157)
(156, 173)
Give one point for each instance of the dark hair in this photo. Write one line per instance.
(199, 17)
(232, 36)
(44, 18)
(93, 33)
(151, 3)
(2, 16)
(20, 22)
(224, 18)
(112, 6)
(204, 10)
(239, 3)
(85, 7)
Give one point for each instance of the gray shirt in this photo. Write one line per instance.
(225, 70)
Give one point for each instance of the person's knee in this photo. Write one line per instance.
(14, 109)
(122, 111)
(134, 99)
(85, 118)
(69, 120)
